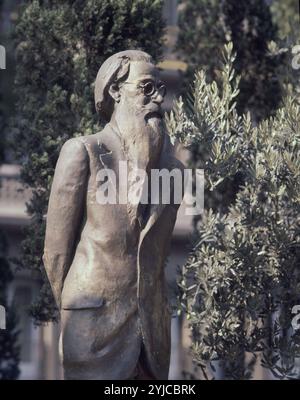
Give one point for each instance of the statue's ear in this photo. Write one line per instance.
(114, 92)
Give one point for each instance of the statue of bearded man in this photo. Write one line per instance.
(105, 262)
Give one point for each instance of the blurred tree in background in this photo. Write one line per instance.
(9, 349)
(6, 85)
(206, 25)
(242, 279)
(2, 104)
(60, 45)
(286, 17)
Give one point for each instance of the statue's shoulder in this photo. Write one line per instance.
(85, 143)
(73, 148)
(96, 142)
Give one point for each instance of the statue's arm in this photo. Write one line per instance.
(65, 212)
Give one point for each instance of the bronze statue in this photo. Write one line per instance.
(105, 262)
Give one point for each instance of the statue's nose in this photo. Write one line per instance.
(158, 98)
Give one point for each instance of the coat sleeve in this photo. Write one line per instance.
(65, 212)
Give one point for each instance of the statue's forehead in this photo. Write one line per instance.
(142, 70)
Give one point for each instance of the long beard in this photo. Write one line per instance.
(143, 140)
(142, 143)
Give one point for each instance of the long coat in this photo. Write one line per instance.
(105, 267)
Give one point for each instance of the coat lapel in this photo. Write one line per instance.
(110, 151)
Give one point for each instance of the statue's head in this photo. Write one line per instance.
(129, 81)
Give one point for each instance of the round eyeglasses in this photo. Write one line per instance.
(149, 88)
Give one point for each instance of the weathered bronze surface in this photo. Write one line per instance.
(105, 262)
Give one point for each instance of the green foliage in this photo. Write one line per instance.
(206, 25)
(6, 81)
(9, 349)
(242, 278)
(1, 99)
(286, 16)
(60, 47)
